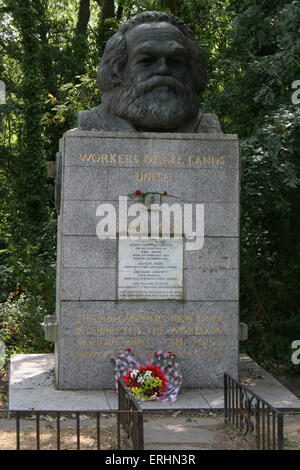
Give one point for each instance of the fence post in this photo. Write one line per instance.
(131, 418)
(225, 399)
(280, 431)
(18, 430)
(141, 431)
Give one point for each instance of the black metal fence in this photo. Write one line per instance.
(252, 416)
(246, 411)
(129, 418)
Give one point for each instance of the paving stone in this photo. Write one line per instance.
(177, 434)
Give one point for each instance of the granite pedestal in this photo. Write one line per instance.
(196, 317)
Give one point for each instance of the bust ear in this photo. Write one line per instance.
(109, 76)
(112, 62)
(114, 74)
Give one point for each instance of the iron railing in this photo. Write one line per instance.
(132, 417)
(252, 416)
(129, 416)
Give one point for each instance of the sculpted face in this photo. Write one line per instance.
(157, 91)
(156, 50)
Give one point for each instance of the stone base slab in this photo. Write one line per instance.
(32, 387)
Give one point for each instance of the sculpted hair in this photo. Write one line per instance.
(115, 53)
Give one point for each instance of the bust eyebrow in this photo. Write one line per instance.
(148, 48)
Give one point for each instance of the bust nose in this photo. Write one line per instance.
(161, 66)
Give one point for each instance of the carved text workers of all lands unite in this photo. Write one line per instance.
(151, 78)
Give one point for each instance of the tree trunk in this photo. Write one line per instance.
(119, 13)
(83, 16)
(79, 43)
(32, 190)
(108, 10)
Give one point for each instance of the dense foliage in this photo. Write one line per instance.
(260, 65)
(49, 52)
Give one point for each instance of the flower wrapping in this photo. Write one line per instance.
(159, 379)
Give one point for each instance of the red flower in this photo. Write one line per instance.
(130, 381)
(126, 379)
(128, 350)
(165, 193)
(138, 192)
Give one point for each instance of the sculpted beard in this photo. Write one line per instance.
(161, 102)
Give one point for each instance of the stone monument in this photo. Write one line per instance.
(148, 229)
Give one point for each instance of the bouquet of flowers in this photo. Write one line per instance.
(146, 383)
(160, 379)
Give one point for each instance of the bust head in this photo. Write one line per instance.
(152, 72)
